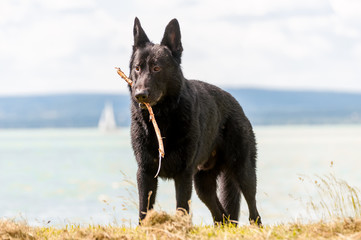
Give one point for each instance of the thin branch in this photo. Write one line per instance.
(120, 72)
(152, 118)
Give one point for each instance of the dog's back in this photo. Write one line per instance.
(224, 123)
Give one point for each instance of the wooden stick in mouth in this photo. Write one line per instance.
(151, 118)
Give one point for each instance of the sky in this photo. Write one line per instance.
(68, 46)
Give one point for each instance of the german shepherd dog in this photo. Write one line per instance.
(208, 139)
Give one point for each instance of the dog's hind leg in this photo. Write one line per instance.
(230, 195)
(205, 183)
(248, 181)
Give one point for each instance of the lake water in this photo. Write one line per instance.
(83, 176)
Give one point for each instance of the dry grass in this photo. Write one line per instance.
(160, 225)
(336, 198)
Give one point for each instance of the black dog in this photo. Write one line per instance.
(207, 137)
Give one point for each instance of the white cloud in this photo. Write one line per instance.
(348, 9)
(59, 52)
(60, 46)
(12, 12)
(67, 4)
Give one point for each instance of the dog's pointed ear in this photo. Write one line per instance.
(140, 38)
(172, 39)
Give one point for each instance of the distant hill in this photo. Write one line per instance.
(68, 110)
(263, 107)
(299, 107)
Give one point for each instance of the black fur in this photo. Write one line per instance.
(207, 137)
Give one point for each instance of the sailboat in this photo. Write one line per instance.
(107, 120)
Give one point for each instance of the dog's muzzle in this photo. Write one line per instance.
(142, 96)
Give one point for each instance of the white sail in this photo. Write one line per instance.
(107, 119)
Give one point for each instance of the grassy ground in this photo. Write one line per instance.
(160, 225)
(338, 205)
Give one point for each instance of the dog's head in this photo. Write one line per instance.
(155, 68)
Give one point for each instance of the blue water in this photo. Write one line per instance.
(84, 176)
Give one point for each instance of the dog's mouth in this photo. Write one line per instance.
(142, 106)
(150, 102)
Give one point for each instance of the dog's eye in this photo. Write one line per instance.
(156, 69)
(137, 68)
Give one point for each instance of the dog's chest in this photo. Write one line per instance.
(179, 135)
(170, 167)
(178, 147)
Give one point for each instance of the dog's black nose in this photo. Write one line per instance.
(141, 95)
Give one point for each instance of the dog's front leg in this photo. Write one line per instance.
(147, 190)
(183, 189)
